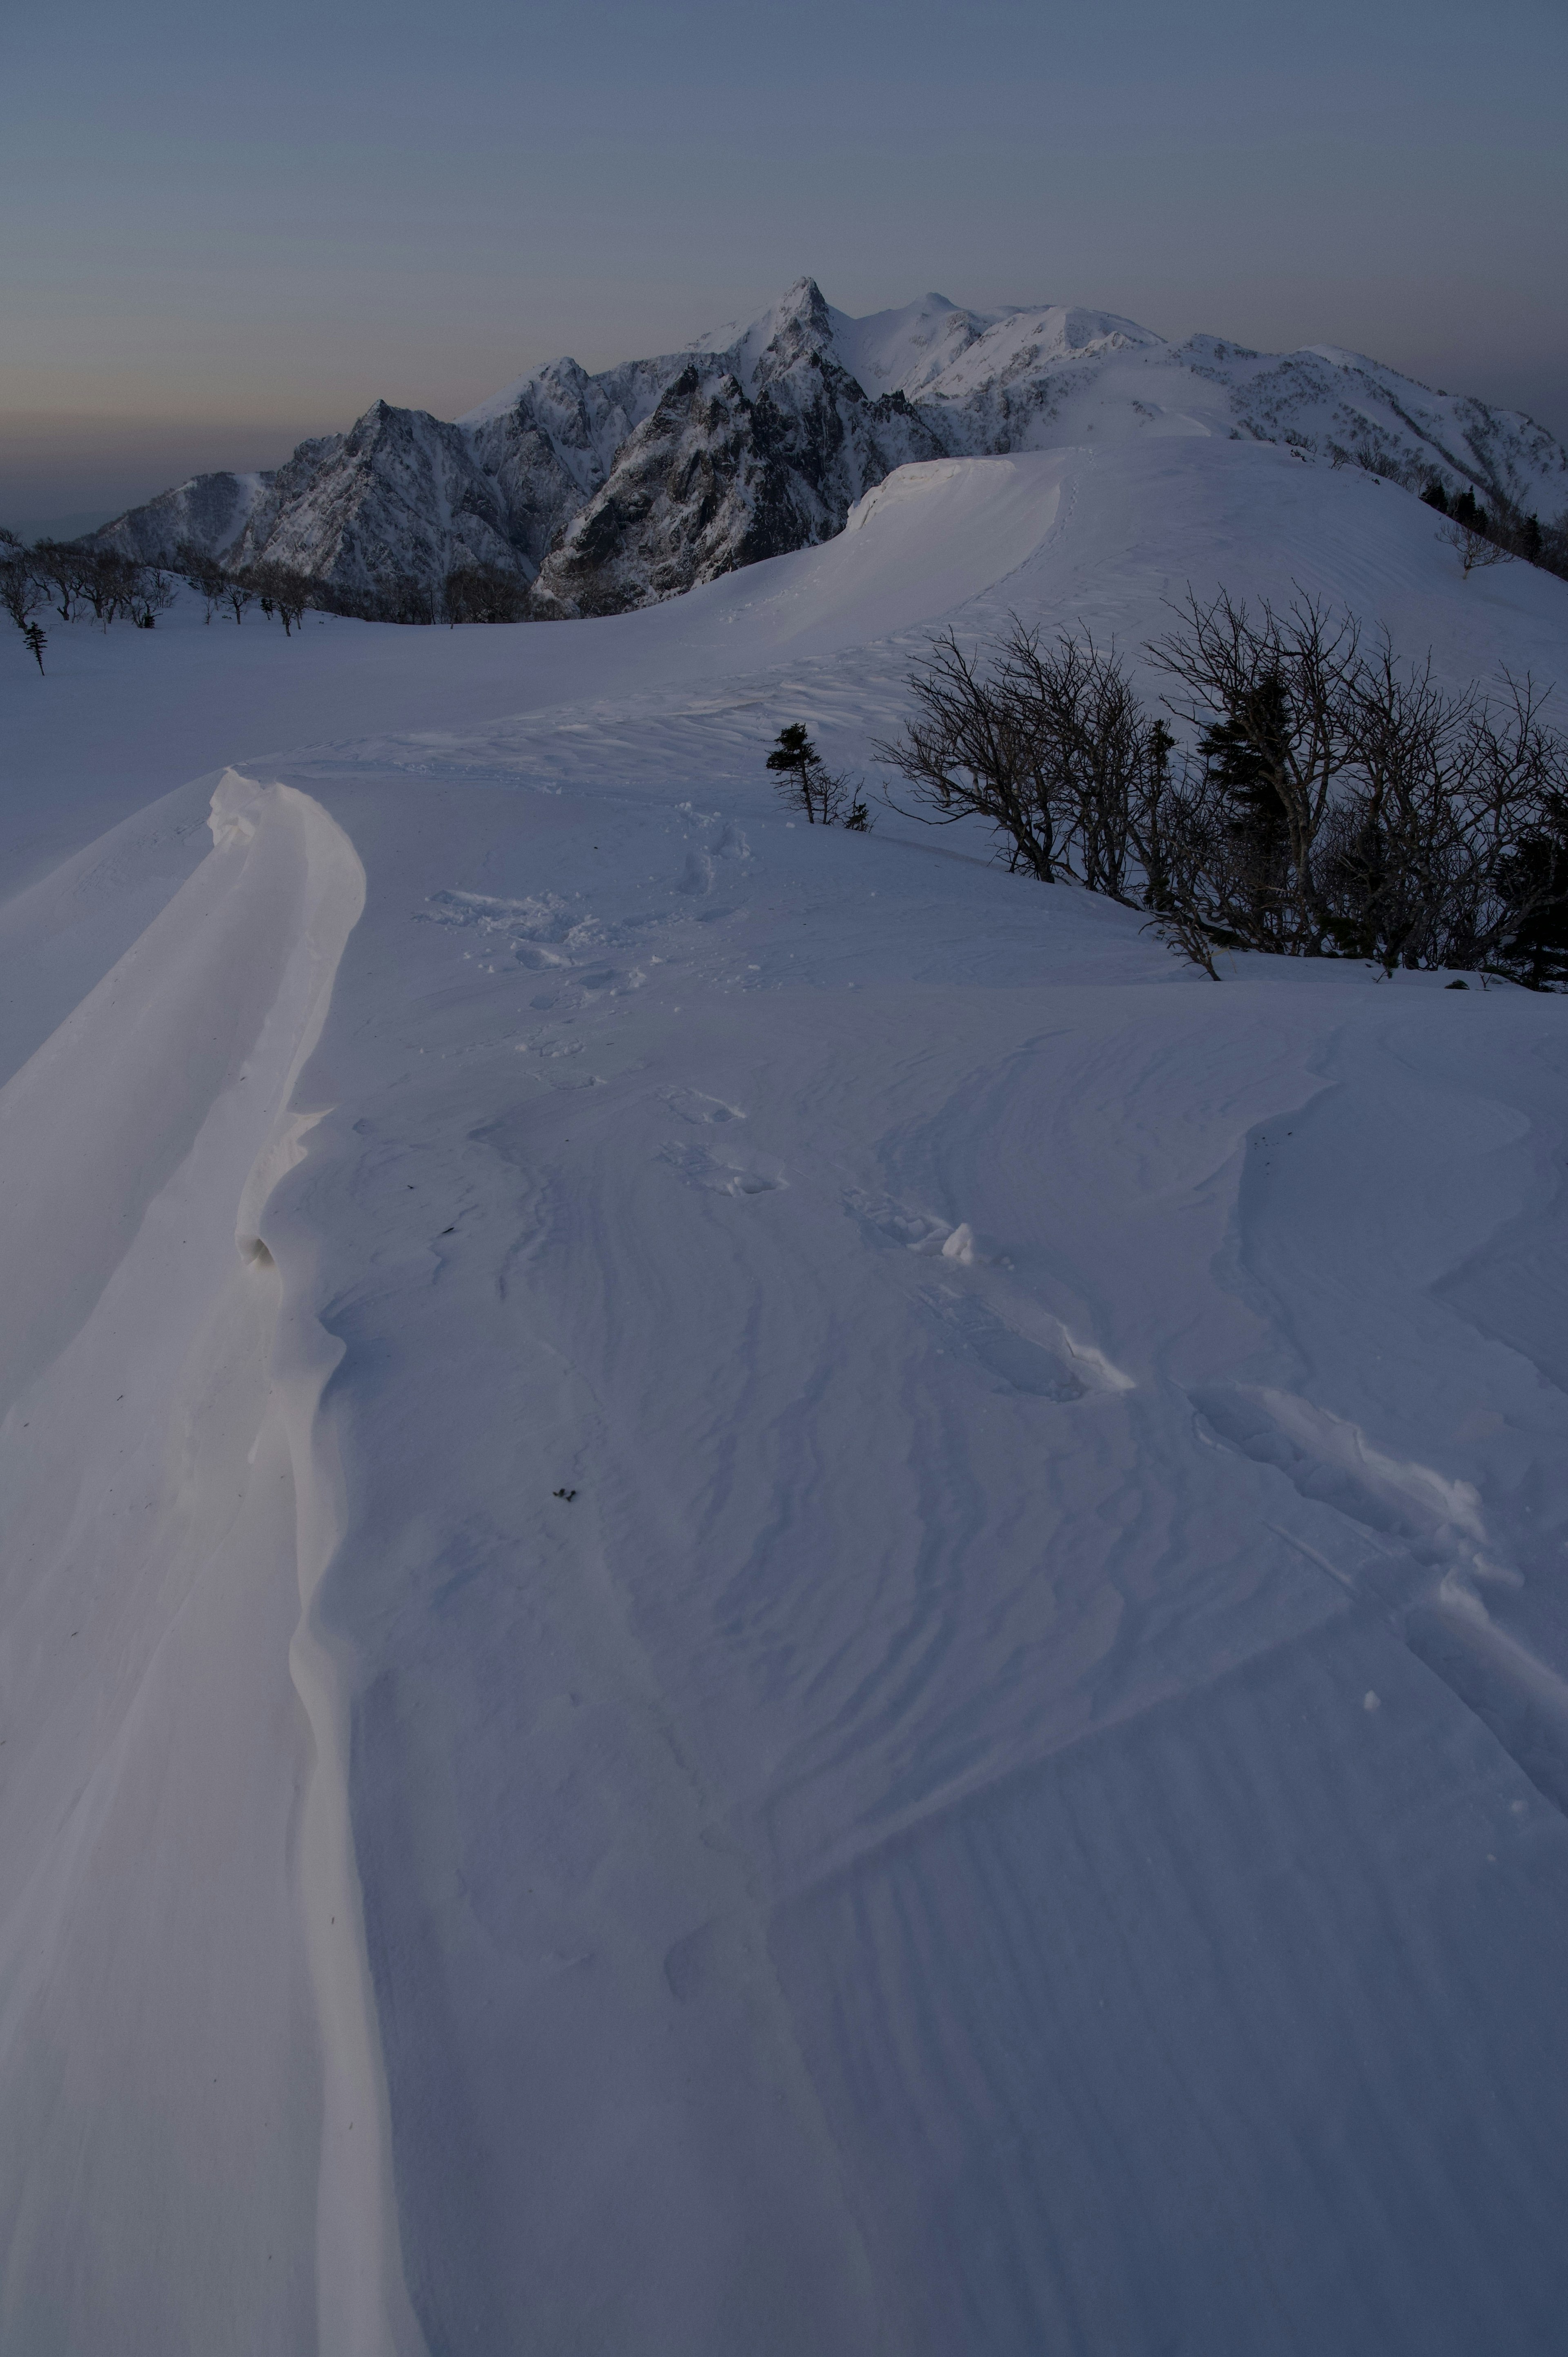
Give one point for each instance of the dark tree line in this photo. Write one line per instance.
(1492, 535)
(1322, 798)
(483, 593)
(60, 577)
(77, 580)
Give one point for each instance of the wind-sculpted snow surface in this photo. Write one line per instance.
(613, 491)
(894, 1573)
(189, 2043)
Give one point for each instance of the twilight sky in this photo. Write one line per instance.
(222, 228)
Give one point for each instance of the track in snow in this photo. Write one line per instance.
(940, 1546)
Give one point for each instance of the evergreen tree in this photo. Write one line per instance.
(1537, 954)
(1242, 756)
(804, 778)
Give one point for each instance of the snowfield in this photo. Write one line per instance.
(762, 1593)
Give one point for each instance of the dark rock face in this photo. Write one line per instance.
(549, 446)
(713, 479)
(210, 510)
(663, 519)
(604, 492)
(382, 510)
(599, 493)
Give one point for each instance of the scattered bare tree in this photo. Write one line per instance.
(970, 752)
(1326, 801)
(117, 588)
(22, 591)
(1515, 880)
(102, 584)
(150, 594)
(61, 567)
(1090, 740)
(237, 596)
(1475, 550)
(279, 591)
(70, 575)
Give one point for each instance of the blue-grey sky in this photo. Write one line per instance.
(225, 227)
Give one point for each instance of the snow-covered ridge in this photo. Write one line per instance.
(609, 491)
(945, 1622)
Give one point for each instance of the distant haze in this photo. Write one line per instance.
(229, 231)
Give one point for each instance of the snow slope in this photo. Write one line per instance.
(1018, 1802)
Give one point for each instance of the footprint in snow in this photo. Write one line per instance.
(694, 1105)
(1060, 1368)
(738, 1173)
(883, 1221)
(1023, 1365)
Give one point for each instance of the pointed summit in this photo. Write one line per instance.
(609, 490)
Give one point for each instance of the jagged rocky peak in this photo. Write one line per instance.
(598, 491)
(798, 325)
(761, 444)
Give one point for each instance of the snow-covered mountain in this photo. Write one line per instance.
(612, 492)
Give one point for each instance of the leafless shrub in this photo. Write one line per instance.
(1325, 799)
(1091, 739)
(1476, 549)
(1049, 745)
(1515, 885)
(970, 752)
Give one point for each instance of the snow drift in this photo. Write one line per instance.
(895, 1572)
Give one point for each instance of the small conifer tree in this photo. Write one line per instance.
(804, 778)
